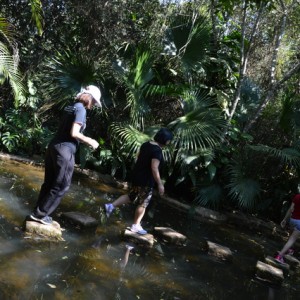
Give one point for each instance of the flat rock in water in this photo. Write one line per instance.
(146, 239)
(80, 219)
(273, 262)
(170, 235)
(219, 251)
(52, 231)
(268, 273)
(292, 261)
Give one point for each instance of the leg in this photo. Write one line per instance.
(139, 214)
(291, 241)
(124, 199)
(48, 177)
(63, 166)
(109, 207)
(142, 199)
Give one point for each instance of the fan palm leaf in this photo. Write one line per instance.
(209, 196)
(66, 74)
(285, 155)
(202, 125)
(136, 79)
(242, 189)
(129, 139)
(191, 38)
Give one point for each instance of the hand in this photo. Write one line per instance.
(283, 223)
(94, 144)
(161, 189)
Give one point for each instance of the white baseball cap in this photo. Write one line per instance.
(94, 92)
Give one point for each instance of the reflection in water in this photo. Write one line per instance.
(271, 294)
(99, 264)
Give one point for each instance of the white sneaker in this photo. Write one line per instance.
(136, 228)
(129, 247)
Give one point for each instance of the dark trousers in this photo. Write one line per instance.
(59, 167)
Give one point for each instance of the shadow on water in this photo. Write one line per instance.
(99, 264)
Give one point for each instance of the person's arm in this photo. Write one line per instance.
(287, 215)
(155, 171)
(75, 133)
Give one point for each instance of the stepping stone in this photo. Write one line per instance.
(268, 273)
(170, 235)
(146, 239)
(219, 251)
(80, 219)
(36, 229)
(292, 261)
(273, 262)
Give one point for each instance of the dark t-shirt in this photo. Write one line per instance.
(72, 113)
(296, 212)
(142, 172)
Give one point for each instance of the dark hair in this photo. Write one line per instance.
(85, 99)
(163, 136)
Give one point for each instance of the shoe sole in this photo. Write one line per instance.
(139, 232)
(39, 220)
(281, 262)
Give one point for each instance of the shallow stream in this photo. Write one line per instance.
(97, 264)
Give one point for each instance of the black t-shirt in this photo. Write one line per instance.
(142, 173)
(72, 113)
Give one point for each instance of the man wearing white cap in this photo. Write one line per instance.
(60, 155)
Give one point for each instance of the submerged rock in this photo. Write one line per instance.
(170, 235)
(292, 261)
(81, 219)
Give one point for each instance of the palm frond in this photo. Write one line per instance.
(6, 30)
(286, 155)
(201, 127)
(242, 189)
(9, 70)
(136, 77)
(37, 14)
(142, 69)
(191, 37)
(209, 196)
(66, 73)
(127, 138)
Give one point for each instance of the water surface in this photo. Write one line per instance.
(98, 264)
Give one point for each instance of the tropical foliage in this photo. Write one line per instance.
(222, 75)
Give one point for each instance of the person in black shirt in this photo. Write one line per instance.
(60, 161)
(145, 175)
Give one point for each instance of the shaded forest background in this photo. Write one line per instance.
(223, 75)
